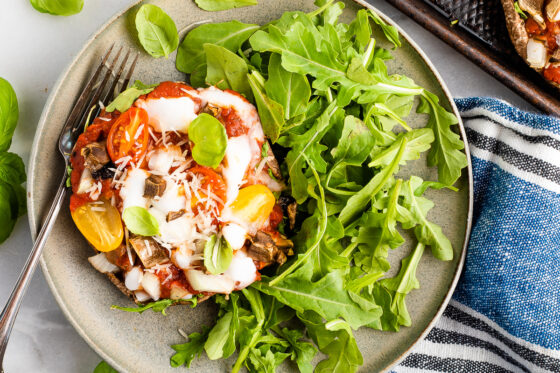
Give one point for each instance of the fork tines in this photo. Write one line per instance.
(98, 91)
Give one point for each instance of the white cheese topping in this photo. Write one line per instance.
(235, 235)
(238, 158)
(132, 192)
(242, 270)
(169, 114)
(161, 159)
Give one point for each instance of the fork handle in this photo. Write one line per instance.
(9, 313)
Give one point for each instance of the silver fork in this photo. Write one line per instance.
(86, 104)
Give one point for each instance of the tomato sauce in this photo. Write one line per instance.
(96, 131)
(172, 90)
(547, 35)
(177, 278)
(552, 73)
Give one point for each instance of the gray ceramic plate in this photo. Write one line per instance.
(140, 343)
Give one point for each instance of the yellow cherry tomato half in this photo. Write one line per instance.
(100, 224)
(253, 204)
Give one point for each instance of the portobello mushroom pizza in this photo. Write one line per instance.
(534, 28)
(178, 193)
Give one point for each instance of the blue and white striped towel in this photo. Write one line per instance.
(505, 313)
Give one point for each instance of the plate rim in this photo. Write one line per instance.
(33, 219)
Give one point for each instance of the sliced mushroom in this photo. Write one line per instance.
(555, 55)
(149, 251)
(553, 10)
(172, 215)
(269, 249)
(155, 186)
(119, 257)
(289, 208)
(534, 8)
(536, 54)
(95, 155)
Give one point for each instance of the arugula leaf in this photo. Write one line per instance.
(210, 140)
(158, 306)
(303, 352)
(216, 5)
(326, 296)
(391, 32)
(58, 7)
(291, 90)
(354, 144)
(9, 114)
(418, 141)
(217, 254)
(271, 112)
(185, 353)
(104, 367)
(156, 31)
(358, 201)
(446, 152)
(226, 70)
(426, 232)
(360, 29)
(191, 57)
(252, 330)
(139, 221)
(262, 359)
(124, 101)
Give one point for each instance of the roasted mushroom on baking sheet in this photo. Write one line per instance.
(534, 29)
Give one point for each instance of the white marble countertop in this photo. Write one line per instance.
(36, 49)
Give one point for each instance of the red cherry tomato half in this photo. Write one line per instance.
(129, 135)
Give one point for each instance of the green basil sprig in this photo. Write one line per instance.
(12, 169)
(156, 31)
(139, 221)
(210, 140)
(217, 255)
(58, 7)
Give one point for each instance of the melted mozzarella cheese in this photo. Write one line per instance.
(235, 235)
(238, 158)
(169, 114)
(161, 159)
(178, 230)
(132, 191)
(242, 270)
(245, 110)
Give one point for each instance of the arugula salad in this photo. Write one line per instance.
(335, 119)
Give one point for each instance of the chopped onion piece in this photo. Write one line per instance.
(133, 278)
(210, 283)
(536, 54)
(101, 263)
(150, 283)
(142, 296)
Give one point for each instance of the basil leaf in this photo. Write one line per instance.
(8, 210)
(9, 114)
(156, 31)
(191, 58)
(124, 101)
(12, 169)
(271, 112)
(210, 140)
(104, 367)
(187, 352)
(58, 7)
(139, 221)
(217, 255)
(226, 70)
(216, 5)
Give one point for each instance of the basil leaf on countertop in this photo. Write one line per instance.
(156, 31)
(139, 221)
(210, 140)
(58, 7)
(9, 114)
(124, 101)
(216, 5)
(217, 255)
(226, 70)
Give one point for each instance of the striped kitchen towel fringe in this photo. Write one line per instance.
(505, 312)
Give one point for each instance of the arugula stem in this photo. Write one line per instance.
(346, 253)
(256, 307)
(322, 230)
(368, 54)
(320, 10)
(401, 90)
